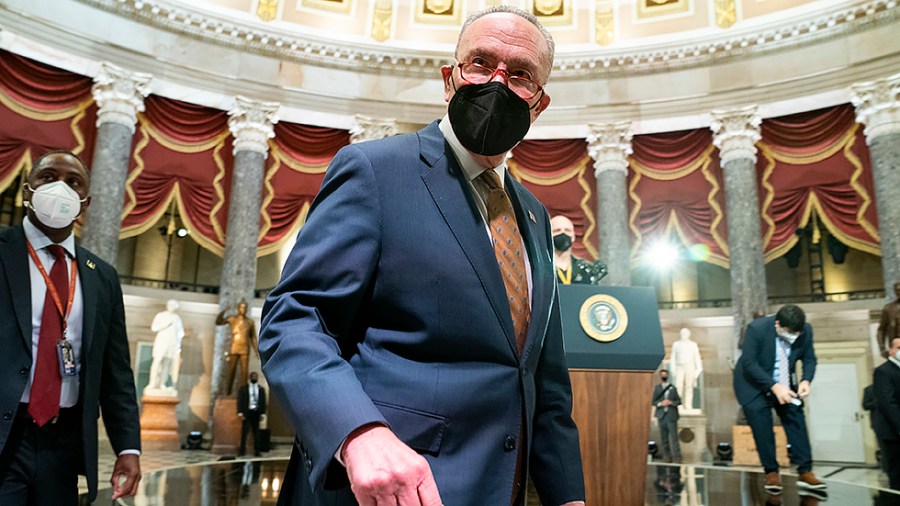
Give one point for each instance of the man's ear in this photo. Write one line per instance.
(447, 75)
(542, 104)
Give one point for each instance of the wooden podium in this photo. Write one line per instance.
(613, 346)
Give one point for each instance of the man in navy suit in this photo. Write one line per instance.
(414, 340)
(63, 342)
(765, 378)
(886, 419)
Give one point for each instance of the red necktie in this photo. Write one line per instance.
(43, 405)
(508, 250)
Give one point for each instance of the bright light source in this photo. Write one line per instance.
(662, 255)
(181, 232)
(698, 252)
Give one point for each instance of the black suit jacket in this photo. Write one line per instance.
(658, 392)
(753, 375)
(244, 400)
(886, 418)
(106, 380)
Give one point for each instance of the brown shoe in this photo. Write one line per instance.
(773, 483)
(808, 481)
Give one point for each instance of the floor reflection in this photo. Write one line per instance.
(701, 486)
(257, 482)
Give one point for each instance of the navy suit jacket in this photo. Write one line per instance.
(754, 373)
(105, 381)
(391, 309)
(886, 418)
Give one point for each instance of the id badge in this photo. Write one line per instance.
(66, 358)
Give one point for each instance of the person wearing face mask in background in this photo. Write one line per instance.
(414, 339)
(666, 401)
(63, 341)
(571, 270)
(765, 378)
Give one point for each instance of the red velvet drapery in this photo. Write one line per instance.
(816, 160)
(674, 186)
(299, 156)
(811, 162)
(560, 174)
(41, 108)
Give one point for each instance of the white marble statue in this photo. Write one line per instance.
(686, 368)
(166, 350)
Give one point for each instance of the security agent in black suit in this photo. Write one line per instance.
(667, 400)
(49, 437)
(886, 419)
(762, 383)
(251, 408)
(571, 270)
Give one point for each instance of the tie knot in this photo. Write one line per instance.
(492, 178)
(58, 252)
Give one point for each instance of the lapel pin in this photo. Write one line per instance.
(531, 217)
(90, 264)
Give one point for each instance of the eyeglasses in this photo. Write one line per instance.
(474, 73)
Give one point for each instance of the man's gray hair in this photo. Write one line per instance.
(551, 47)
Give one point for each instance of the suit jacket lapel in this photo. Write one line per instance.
(14, 257)
(447, 186)
(542, 276)
(89, 289)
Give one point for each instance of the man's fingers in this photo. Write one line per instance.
(428, 492)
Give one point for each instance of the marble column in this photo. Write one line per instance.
(252, 125)
(609, 145)
(120, 96)
(735, 133)
(371, 129)
(878, 108)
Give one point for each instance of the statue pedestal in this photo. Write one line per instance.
(159, 426)
(745, 447)
(226, 426)
(692, 438)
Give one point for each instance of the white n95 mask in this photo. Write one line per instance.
(55, 204)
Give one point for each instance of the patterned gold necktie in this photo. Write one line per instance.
(508, 250)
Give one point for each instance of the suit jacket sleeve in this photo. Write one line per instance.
(809, 355)
(886, 397)
(676, 399)
(657, 394)
(556, 467)
(118, 401)
(309, 318)
(753, 370)
(261, 402)
(243, 399)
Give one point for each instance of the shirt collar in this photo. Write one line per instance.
(466, 161)
(895, 360)
(39, 240)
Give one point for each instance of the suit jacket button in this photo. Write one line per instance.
(308, 465)
(24, 370)
(510, 443)
(7, 415)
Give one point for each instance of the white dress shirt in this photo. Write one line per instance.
(69, 393)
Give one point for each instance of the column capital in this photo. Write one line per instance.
(371, 129)
(119, 95)
(735, 132)
(609, 145)
(878, 105)
(252, 123)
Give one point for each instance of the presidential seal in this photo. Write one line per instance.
(603, 318)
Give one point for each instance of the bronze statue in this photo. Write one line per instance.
(889, 327)
(243, 337)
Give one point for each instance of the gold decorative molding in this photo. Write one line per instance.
(650, 9)
(604, 22)
(339, 6)
(552, 12)
(438, 12)
(267, 10)
(726, 13)
(381, 20)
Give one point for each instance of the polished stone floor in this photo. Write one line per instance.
(200, 478)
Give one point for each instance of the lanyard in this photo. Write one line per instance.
(565, 275)
(52, 289)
